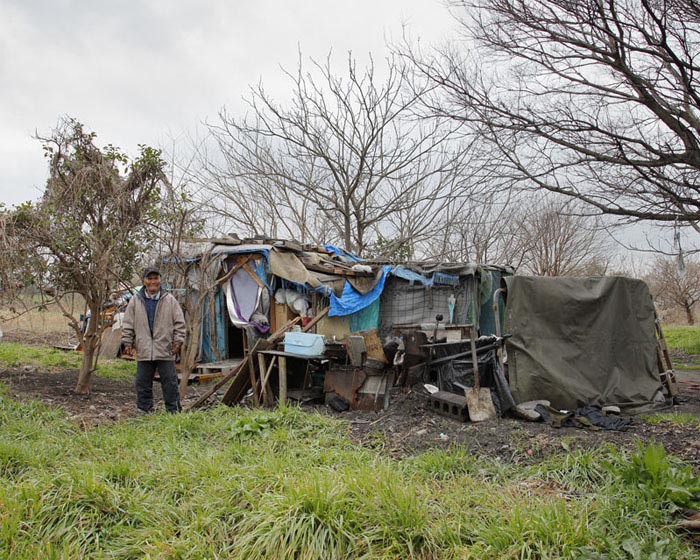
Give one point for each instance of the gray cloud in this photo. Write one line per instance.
(133, 70)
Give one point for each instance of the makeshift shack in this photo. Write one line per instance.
(254, 287)
(571, 341)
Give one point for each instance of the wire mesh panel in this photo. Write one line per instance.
(406, 303)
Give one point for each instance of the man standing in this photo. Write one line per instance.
(154, 326)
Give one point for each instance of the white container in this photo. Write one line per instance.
(305, 344)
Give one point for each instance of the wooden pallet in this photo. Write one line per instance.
(205, 377)
(217, 367)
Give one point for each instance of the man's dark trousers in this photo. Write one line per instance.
(168, 382)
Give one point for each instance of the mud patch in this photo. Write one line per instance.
(406, 428)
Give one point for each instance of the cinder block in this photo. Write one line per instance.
(450, 405)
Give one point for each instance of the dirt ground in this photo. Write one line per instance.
(408, 426)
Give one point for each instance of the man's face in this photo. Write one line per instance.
(152, 283)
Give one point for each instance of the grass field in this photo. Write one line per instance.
(14, 355)
(683, 338)
(236, 483)
(233, 483)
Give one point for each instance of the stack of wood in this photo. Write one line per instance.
(246, 376)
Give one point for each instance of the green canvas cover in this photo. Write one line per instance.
(581, 341)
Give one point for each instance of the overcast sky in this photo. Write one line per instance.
(141, 71)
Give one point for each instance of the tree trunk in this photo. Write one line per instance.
(90, 340)
(689, 315)
(347, 234)
(189, 353)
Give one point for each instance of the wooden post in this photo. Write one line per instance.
(266, 391)
(251, 372)
(263, 368)
(316, 319)
(282, 361)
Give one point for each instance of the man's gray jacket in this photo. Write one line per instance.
(168, 328)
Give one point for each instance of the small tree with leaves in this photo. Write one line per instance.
(90, 228)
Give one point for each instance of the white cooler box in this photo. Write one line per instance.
(306, 344)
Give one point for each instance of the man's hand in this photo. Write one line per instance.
(176, 347)
(129, 350)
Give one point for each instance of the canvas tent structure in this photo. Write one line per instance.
(583, 341)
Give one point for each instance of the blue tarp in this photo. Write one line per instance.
(445, 279)
(342, 253)
(406, 274)
(351, 301)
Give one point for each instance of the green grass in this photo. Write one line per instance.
(237, 483)
(14, 355)
(693, 365)
(676, 418)
(685, 339)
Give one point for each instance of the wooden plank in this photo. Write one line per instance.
(212, 327)
(254, 276)
(206, 377)
(282, 361)
(251, 374)
(222, 366)
(239, 376)
(221, 324)
(231, 374)
(262, 368)
(373, 344)
(265, 389)
(280, 314)
(238, 388)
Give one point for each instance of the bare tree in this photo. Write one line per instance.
(676, 287)
(480, 230)
(536, 235)
(595, 99)
(345, 156)
(558, 240)
(88, 231)
(254, 202)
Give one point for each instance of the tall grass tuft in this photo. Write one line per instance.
(660, 477)
(309, 517)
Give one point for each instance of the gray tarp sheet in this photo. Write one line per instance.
(581, 341)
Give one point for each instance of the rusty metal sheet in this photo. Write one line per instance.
(345, 381)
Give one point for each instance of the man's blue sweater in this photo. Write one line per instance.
(151, 305)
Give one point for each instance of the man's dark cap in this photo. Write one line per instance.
(150, 270)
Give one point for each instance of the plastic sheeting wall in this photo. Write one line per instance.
(213, 341)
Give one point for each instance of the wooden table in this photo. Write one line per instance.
(265, 370)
